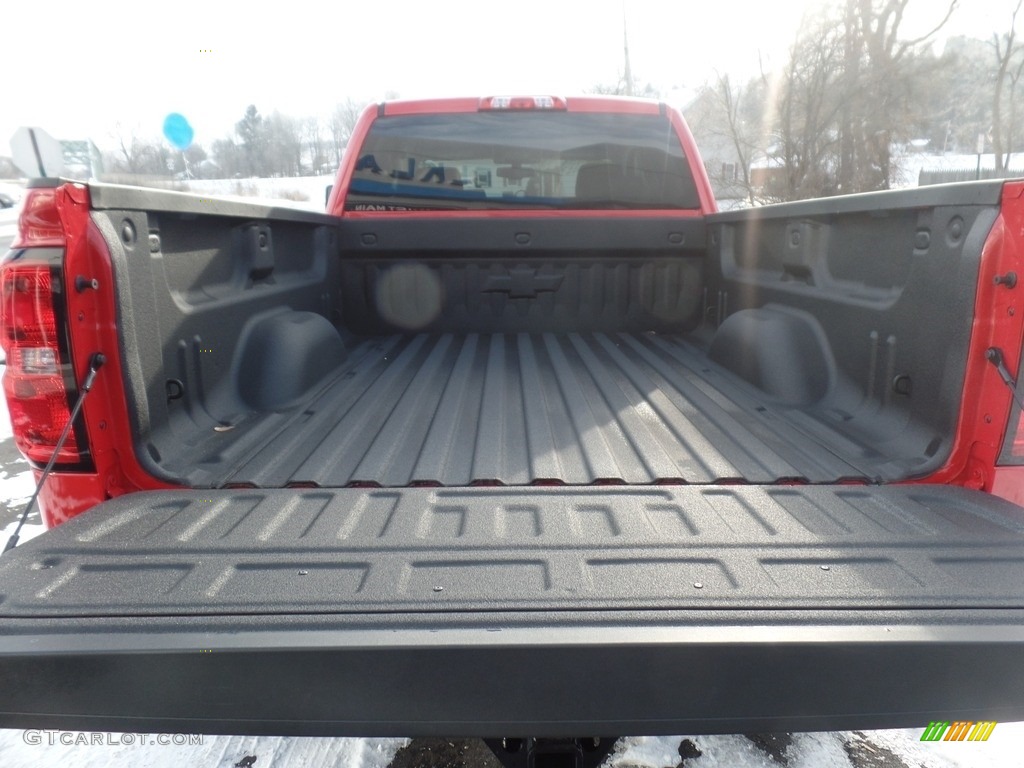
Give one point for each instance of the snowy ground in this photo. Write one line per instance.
(8, 226)
(870, 749)
(302, 191)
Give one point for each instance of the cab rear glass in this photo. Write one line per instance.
(521, 160)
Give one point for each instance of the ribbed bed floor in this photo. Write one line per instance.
(520, 408)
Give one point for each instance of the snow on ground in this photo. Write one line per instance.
(8, 222)
(9, 216)
(34, 748)
(867, 749)
(908, 166)
(16, 483)
(307, 192)
(23, 484)
(1004, 749)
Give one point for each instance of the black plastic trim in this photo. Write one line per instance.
(85, 463)
(468, 237)
(118, 197)
(1006, 457)
(959, 194)
(48, 182)
(563, 676)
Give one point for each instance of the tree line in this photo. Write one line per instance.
(261, 145)
(854, 92)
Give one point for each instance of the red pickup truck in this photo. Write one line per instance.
(520, 438)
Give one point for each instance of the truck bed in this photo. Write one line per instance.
(574, 408)
(551, 351)
(750, 380)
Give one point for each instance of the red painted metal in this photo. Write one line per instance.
(67, 494)
(998, 322)
(1008, 483)
(93, 317)
(700, 176)
(617, 104)
(61, 216)
(613, 104)
(336, 202)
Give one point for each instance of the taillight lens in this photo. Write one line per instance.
(37, 377)
(39, 223)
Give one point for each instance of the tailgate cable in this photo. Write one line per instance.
(95, 363)
(995, 356)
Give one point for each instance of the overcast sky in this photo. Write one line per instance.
(81, 69)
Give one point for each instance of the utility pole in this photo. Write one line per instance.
(848, 156)
(981, 150)
(625, 39)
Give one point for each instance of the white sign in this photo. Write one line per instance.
(36, 153)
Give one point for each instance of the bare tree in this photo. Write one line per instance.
(744, 134)
(229, 157)
(726, 119)
(1006, 48)
(626, 87)
(252, 131)
(851, 89)
(1013, 129)
(283, 145)
(880, 87)
(342, 122)
(192, 159)
(134, 155)
(314, 139)
(810, 99)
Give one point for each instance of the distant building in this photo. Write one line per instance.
(768, 177)
(82, 159)
(944, 169)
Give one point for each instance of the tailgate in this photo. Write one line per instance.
(505, 611)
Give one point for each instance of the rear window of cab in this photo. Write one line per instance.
(521, 160)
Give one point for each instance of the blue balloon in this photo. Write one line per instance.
(178, 131)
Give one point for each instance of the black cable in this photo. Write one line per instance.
(995, 356)
(95, 363)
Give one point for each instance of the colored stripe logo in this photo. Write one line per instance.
(960, 730)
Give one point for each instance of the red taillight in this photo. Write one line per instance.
(37, 376)
(29, 320)
(522, 102)
(39, 224)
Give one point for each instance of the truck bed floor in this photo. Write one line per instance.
(576, 408)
